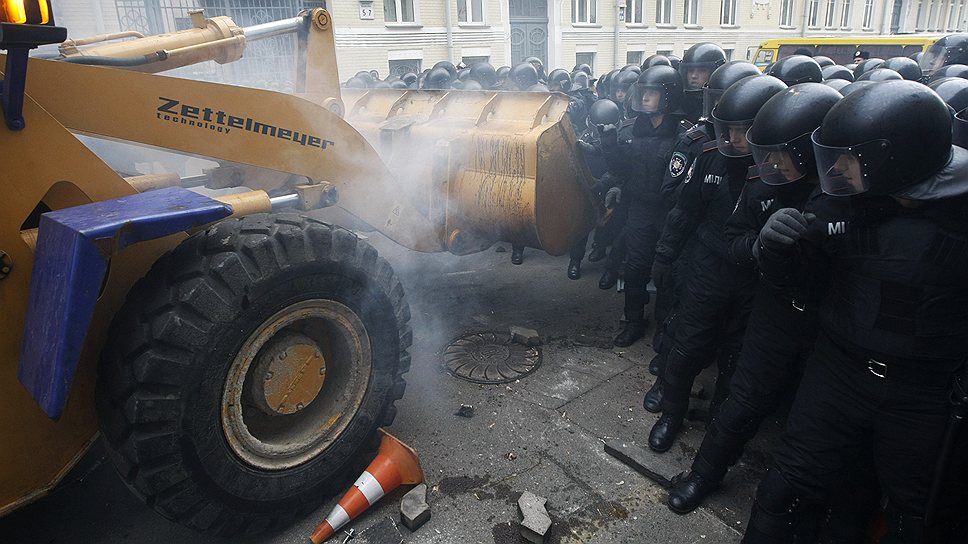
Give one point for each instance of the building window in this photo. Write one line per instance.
(729, 53)
(831, 13)
(401, 67)
(633, 57)
(398, 11)
(813, 14)
(469, 11)
(786, 12)
(690, 12)
(919, 20)
(869, 13)
(584, 11)
(663, 12)
(845, 15)
(633, 12)
(932, 16)
(471, 61)
(961, 16)
(728, 14)
(586, 58)
(951, 15)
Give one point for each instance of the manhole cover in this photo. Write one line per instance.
(490, 357)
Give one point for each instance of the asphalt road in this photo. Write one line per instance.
(543, 433)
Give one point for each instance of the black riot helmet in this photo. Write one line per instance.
(463, 74)
(721, 79)
(538, 88)
(824, 61)
(632, 68)
(908, 68)
(438, 78)
(880, 74)
(837, 72)
(604, 112)
(951, 70)
(559, 80)
(959, 129)
(484, 73)
(796, 69)
(619, 84)
(579, 80)
(954, 92)
(733, 115)
(855, 86)
(366, 78)
(655, 60)
(502, 75)
(867, 66)
(836, 84)
(674, 61)
(449, 66)
(472, 85)
(951, 49)
(355, 83)
(780, 135)
(583, 68)
(399, 84)
(860, 148)
(603, 84)
(522, 76)
(657, 91)
(698, 64)
(409, 78)
(538, 65)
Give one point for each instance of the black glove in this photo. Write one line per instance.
(609, 135)
(587, 148)
(784, 228)
(613, 197)
(661, 274)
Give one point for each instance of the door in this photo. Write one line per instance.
(529, 30)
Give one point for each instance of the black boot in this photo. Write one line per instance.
(609, 277)
(689, 492)
(653, 397)
(656, 364)
(598, 253)
(517, 255)
(574, 269)
(633, 331)
(664, 432)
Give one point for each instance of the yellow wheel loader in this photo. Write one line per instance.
(236, 354)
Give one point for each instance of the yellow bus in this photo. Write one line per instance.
(841, 49)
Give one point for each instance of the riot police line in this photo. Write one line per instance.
(806, 230)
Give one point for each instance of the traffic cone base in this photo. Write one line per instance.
(395, 464)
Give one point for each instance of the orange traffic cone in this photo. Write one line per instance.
(396, 464)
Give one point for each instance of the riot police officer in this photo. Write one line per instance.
(951, 49)
(787, 175)
(891, 244)
(718, 294)
(638, 153)
(696, 66)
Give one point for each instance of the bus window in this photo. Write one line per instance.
(791, 49)
(883, 51)
(841, 54)
(763, 57)
(912, 49)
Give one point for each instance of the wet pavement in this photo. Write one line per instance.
(543, 433)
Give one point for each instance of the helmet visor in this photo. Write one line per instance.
(959, 129)
(710, 97)
(695, 74)
(647, 99)
(782, 163)
(847, 171)
(933, 59)
(731, 137)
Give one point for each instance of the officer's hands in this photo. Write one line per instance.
(784, 228)
(613, 197)
(609, 135)
(661, 274)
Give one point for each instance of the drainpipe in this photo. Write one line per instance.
(618, 4)
(803, 27)
(99, 19)
(884, 17)
(450, 31)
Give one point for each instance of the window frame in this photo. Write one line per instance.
(470, 11)
(663, 13)
(398, 13)
(813, 14)
(591, 14)
(731, 12)
(830, 15)
(868, 15)
(690, 10)
(631, 12)
(845, 15)
(787, 9)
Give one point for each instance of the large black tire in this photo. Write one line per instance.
(170, 347)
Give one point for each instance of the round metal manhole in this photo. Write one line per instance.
(490, 357)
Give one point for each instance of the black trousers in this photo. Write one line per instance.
(711, 318)
(642, 230)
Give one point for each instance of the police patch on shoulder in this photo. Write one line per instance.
(677, 165)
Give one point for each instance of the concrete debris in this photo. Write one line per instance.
(414, 510)
(659, 467)
(525, 336)
(500, 249)
(384, 532)
(535, 522)
(465, 410)
(511, 456)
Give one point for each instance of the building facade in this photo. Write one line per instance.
(398, 36)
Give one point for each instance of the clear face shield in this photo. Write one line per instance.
(694, 75)
(710, 97)
(647, 100)
(782, 163)
(933, 59)
(846, 171)
(731, 137)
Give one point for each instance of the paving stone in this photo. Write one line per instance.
(384, 532)
(524, 336)
(414, 510)
(536, 521)
(656, 466)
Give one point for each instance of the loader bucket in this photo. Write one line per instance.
(484, 165)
